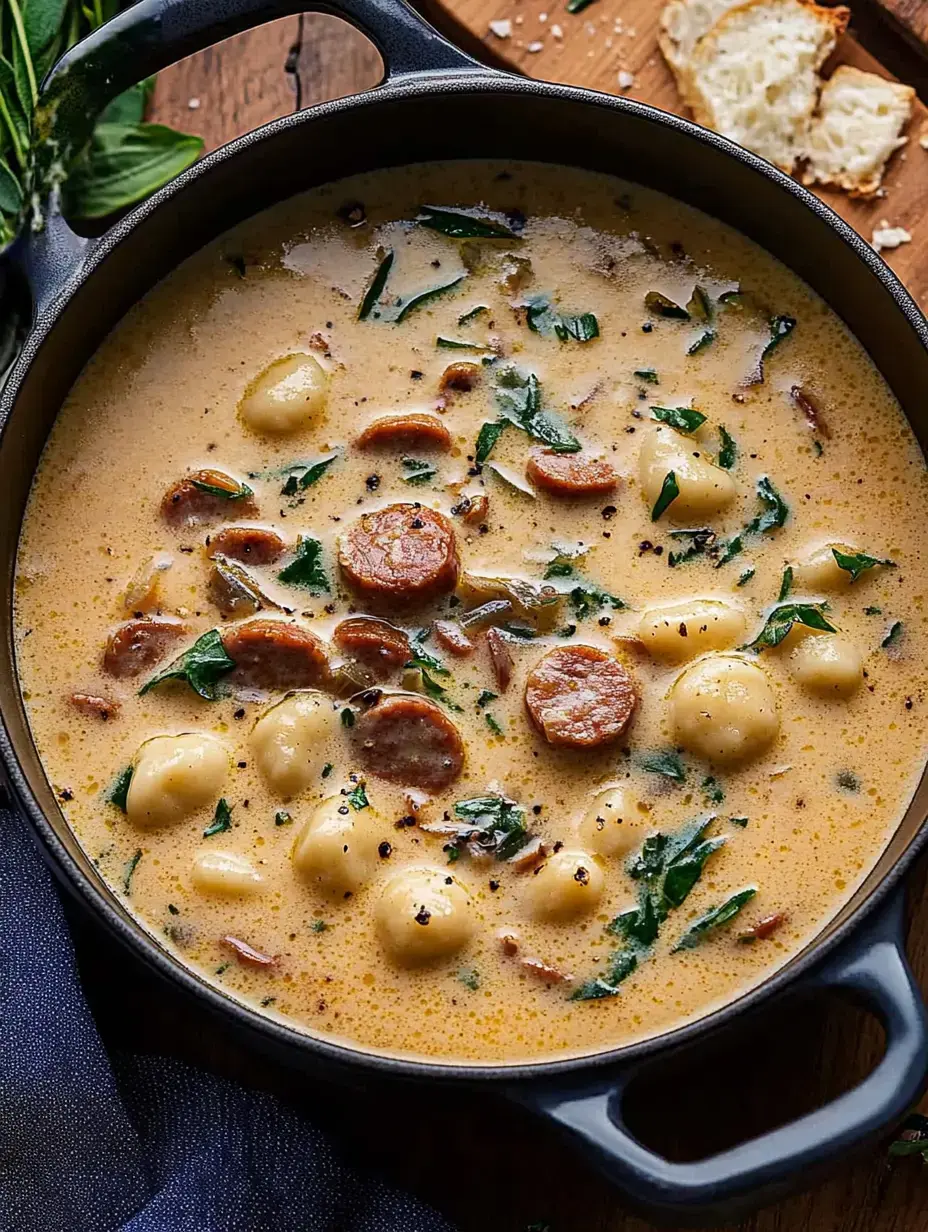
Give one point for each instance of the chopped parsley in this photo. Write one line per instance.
(485, 697)
(418, 470)
(494, 824)
(648, 375)
(376, 286)
(469, 978)
(222, 820)
(493, 724)
(357, 798)
(746, 577)
(239, 492)
(312, 474)
(664, 761)
(588, 600)
(118, 791)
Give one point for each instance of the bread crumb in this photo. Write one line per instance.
(502, 29)
(885, 236)
(193, 104)
(536, 46)
(542, 17)
(626, 79)
(556, 31)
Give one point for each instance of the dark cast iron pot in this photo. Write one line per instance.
(437, 103)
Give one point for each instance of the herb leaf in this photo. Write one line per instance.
(661, 306)
(376, 286)
(587, 600)
(357, 798)
(664, 761)
(714, 918)
(856, 563)
(131, 866)
(314, 472)
(202, 666)
(544, 319)
(728, 450)
(420, 657)
(786, 585)
(463, 224)
(239, 492)
(623, 964)
(487, 437)
(782, 618)
(682, 418)
(419, 470)
(124, 163)
(701, 540)
(649, 375)
(746, 577)
(668, 494)
(780, 328)
(222, 820)
(518, 397)
(471, 313)
(306, 568)
(423, 297)
(118, 791)
(893, 636)
(494, 823)
(775, 511)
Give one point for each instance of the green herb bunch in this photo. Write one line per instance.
(125, 160)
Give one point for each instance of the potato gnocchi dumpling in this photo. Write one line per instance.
(613, 823)
(570, 883)
(819, 571)
(829, 664)
(175, 776)
(424, 914)
(290, 394)
(289, 741)
(225, 873)
(704, 488)
(675, 632)
(336, 851)
(723, 708)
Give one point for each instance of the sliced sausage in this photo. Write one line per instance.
(580, 697)
(414, 430)
(273, 655)
(410, 740)
(452, 637)
(374, 643)
(192, 499)
(460, 377)
(137, 645)
(249, 545)
(402, 553)
(570, 474)
(500, 657)
(93, 706)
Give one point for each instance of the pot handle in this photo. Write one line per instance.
(872, 968)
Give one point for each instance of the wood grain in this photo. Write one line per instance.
(911, 17)
(481, 1161)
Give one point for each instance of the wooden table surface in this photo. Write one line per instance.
(486, 1165)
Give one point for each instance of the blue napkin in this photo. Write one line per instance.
(93, 1143)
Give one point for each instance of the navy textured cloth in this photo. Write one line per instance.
(90, 1143)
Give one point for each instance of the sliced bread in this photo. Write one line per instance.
(754, 75)
(683, 23)
(858, 125)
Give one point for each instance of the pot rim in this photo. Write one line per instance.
(102, 902)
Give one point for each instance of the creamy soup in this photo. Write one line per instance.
(486, 630)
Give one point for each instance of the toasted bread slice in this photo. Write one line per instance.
(754, 76)
(858, 125)
(683, 23)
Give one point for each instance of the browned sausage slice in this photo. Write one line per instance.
(403, 553)
(249, 545)
(414, 430)
(452, 637)
(376, 644)
(460, 378)
(200, 498)
(271, 654)
(500, 657)
(409, 740)
(570, 474)
(580, 697)
(93, 706)
(137, 645)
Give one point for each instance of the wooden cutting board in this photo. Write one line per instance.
(592, 47)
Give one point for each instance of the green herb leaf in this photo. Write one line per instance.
(423, 297)
(622, 967)
(856, 563)
(648, 375)
(306, 569)
(577, 6)
(780, 328)
(493, 725)
(312, 474)
(775, 511)
(202, 666)
(518, 397)
(544, 319)
(893, 636)
(487, 437)
(222, 820)
(847, 780)
(437, 691)
(347, 717)
(420, 657)
(419, 471)
(319, 926)
(661, 306)
(485, 697)
(376, 286)
(588, 600)
(118, 791)
(327, 769)
(239, 492)
(746, 577)
(682, 418)
(728, 450)
(701, 540)
(668, 494)
(786, 585)
(873, 611)
(714, 791)
(494, 823)
(781, 620)
(130, 869)
(686, 869)
(357, 798)
(471, 313)
(734, 547)
(740, 822)
(463, 224)
(125, 163)
(469, 978)
(713, 919)
(282, 818)
(640, 925)
(705, 339)
(664, 761)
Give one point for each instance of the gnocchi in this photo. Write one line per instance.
(290, 394)
(569, 884)
(613, 823)
(704, 488)
(723, 708)
(174, 777)
(820, 571)
(289, 741)
(424, 914)
(828, 664)
(336, 851)
(226, 874)
(675, 632)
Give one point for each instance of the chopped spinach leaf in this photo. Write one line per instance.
(786, 585)
(222, 820)
(202, 665)
(493, 823)
(746, 577)
(893, 636)
(131, 866)
(118, 791)
(487, 437)
(728, 450)
(685, 869)
(463, 224)
(682, 418)
(664, 761)
(560, 567)
(781, 620)
(847, 780)
(327, 769)
(347, 717)
(282, 818)
(775, 511)
(546, 320)
(469, 978)
(518, 397)
(239, 492)
(493, 725)
(701, 540)
(306, 568)
(423, 297)
(418, 470)
(485, 697)
(623, 964)
(472, 313)
(311, 475)
(420, 657)
(740, 822)
(456, 344)
(714, 918)
(713, 789)
(587, 600)
(436, 691)
(649, 375)
(668, 494)
(641, 924)
(705, 339)
(873, 611)
(780, 328)
(661, 306)
(376, 286)
(857, 563)
(318, 926)
(357, 798)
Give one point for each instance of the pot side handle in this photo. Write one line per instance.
(874, 970)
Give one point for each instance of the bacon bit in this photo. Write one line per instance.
(811, 410)
(547, 975)
(501, 658)
(509, 943)
(319, 342)
(764, 928)
(247, 954)
(452, 637)
(529, 857)
(460, 377)
(94, 707)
